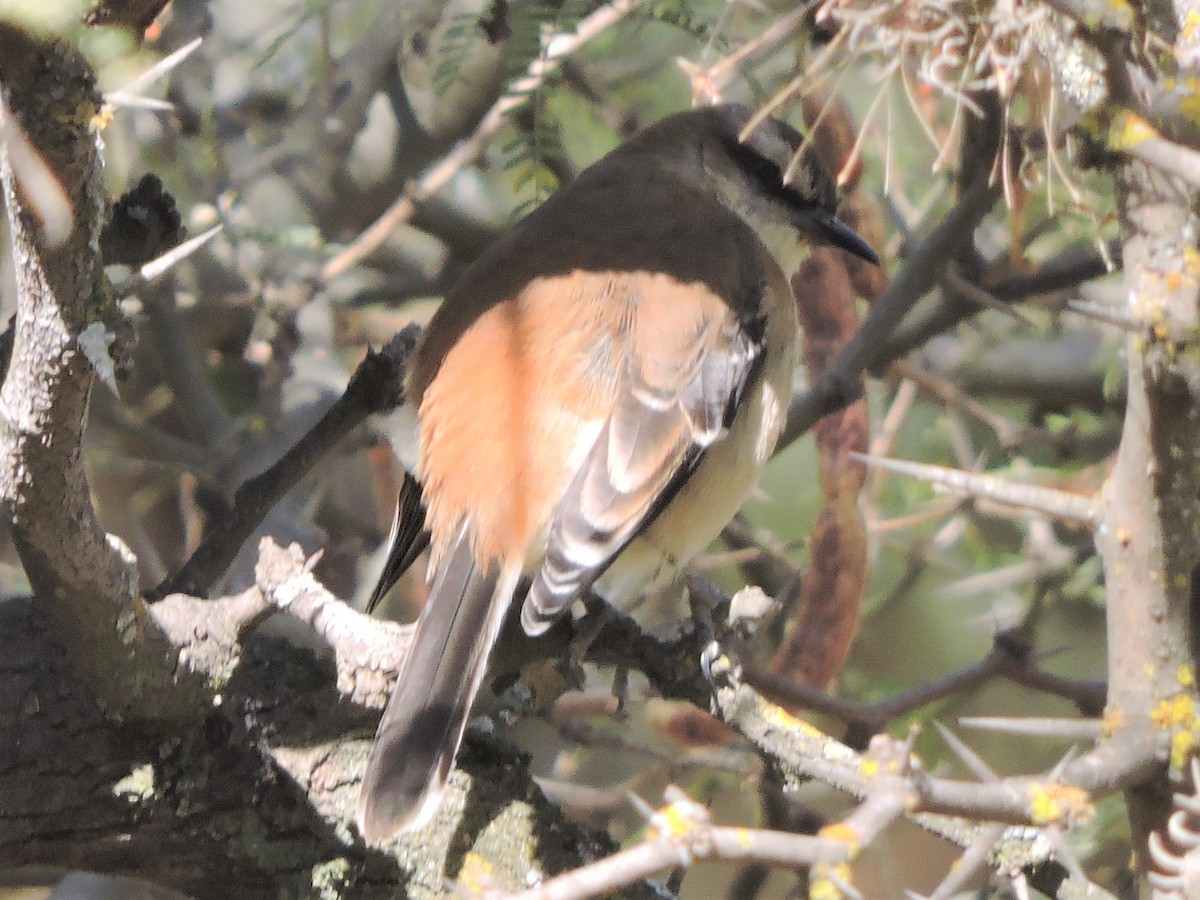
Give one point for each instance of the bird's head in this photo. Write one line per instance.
(703, 146)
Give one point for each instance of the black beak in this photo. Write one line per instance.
(839, 234)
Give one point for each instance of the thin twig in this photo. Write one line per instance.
(1011, 434)
(1009, 658)
(840, 385)
(376, 386)
(162, 264)
(709, 81)
(1049, 501)
(682, 833)
(558, 47)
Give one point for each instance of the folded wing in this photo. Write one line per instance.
(686, 360)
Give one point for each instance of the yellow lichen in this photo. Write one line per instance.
(1186, 676)
(1128, 130)
(843, 834)
(1175, 712)
(1178, 716)
(677, 821)
(1188, 94)
(477, 874)
(821, 885)
(1183, 746)
(1050, 803)
(781, 718)
(1191, 256)
(1191, 26)
(103, 117)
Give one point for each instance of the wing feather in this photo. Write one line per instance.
(686, 361)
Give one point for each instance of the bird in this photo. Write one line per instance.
(595, 398)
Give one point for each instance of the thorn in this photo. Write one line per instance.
(125, 100)
(673, 793)
(705, 86)
(1101, 312)
(991, 582)
(969, 757)
(977, 295)
(160, 68)
(161, 264)
(971, 861)
(43, 193)
(311, 562)
(1048, 501)
(1037, 726)
(645, 809)
(908, 748)
(1061, 766)
(847, 889)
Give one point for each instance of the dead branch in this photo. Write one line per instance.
(375, 387)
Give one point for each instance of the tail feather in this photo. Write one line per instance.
(423, 726)
(408, 538)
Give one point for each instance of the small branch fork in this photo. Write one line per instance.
(208, 633)
(1011, 658)
(682, 833)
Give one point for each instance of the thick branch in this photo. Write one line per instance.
(86, 579)
(257, 800)
(802, 752)
(1149, 531)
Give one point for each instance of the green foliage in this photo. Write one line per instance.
(43, 16)
(309, 11)
(536, 153)
(681, 14)
(529, 156)
(457, 41)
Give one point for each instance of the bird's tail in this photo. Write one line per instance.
(419, 734)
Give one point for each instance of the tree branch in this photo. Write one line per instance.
(86, 578)
(840, 384)
(375, 387)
